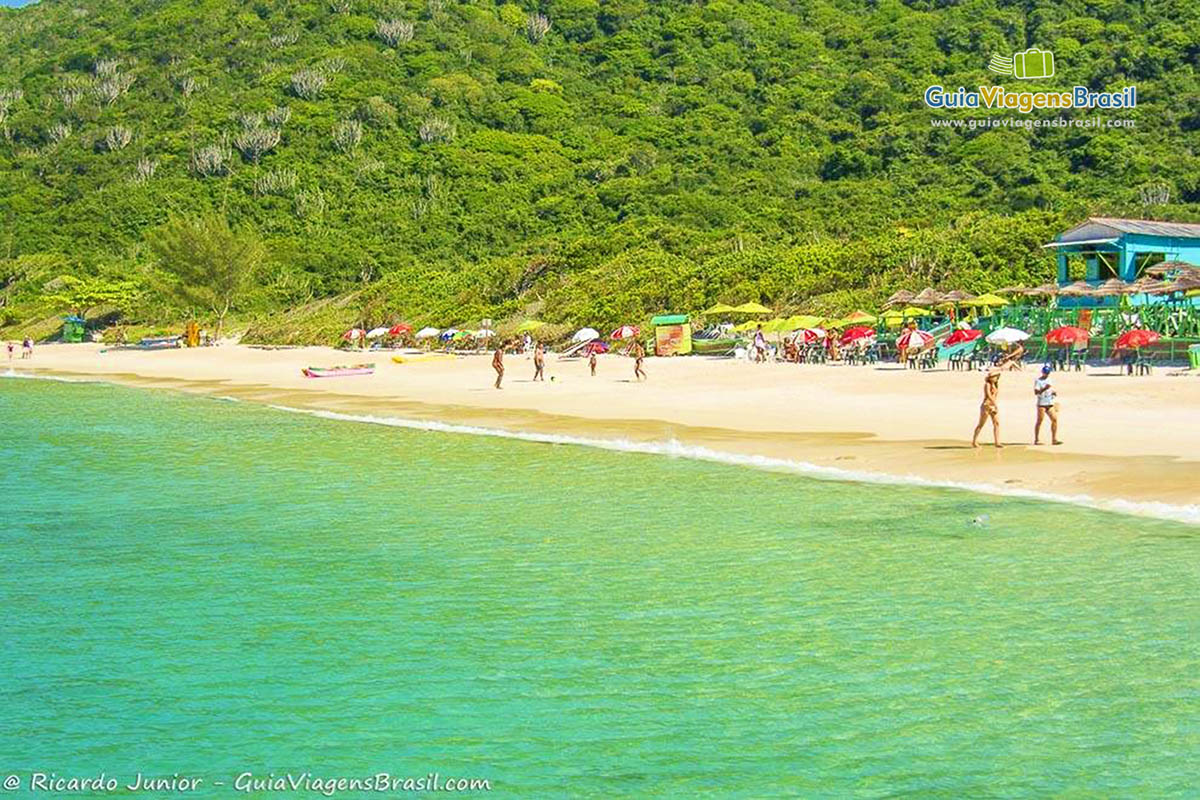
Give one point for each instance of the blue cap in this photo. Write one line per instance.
(1045, 369)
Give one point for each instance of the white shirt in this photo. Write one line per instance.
(1047, 397)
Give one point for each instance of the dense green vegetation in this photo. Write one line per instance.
(442, 161)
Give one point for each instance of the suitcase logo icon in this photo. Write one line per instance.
(1026, 65)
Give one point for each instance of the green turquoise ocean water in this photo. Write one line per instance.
(211, 588)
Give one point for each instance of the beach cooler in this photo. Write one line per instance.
(1194, 356)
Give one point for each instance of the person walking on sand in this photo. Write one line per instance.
(12, 349)
(1047, 406)
(639, 355)
(988, 408)
(539, 363)
(760, 345)
(27, 348)
(498, 363)
(592, 362)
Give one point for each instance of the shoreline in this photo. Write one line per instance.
(1137, 465)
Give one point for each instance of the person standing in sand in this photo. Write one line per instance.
(988, 408)
(539, 363)
(592, 362)
(498, 363)
(27, 348)
(12, 348)
(1047, 406)
(639, 355)
(760, 345)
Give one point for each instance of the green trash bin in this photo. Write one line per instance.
(1194, 355)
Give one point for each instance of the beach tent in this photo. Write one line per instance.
(585, 335)
(719, 308)
(751, 308)
(672, 334)
(529, 325)
(427, 333)
(376, 333)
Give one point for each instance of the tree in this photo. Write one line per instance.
(208, 263)
(77, 295)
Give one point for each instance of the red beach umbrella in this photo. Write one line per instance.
(856, 333)
(624, 332)
(964, 335)
(396, 330)
(1067, 335)
(1136, 338)
(812, 335)
(912, 339)
(353, 333)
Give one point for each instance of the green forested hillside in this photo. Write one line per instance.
(592, 160)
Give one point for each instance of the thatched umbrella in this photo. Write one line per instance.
(900, 298)
(957, 296)
(1184, 283)
(1113, 287)
(928, 297)
(1012, 290)
(1184, 269)
(1076, 289)
(1147, 285)
(1045, 290)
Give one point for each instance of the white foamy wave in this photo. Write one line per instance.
(35, 376)
(1189, 514)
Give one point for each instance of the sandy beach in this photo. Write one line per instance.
(1125, 438)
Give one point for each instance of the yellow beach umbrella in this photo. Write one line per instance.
(751, 308)
(719, 308)
(746, 326)
(892, 317)
(775, 325)
(987, 300)
(802, 321)
(860, 318)
(913, 311)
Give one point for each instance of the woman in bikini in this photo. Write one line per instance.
(988, 408)
(498, 363)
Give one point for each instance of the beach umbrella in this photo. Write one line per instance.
(462, 334)
(484, 333)
(963, 335)
(1138, 337)
(860, 318)
(928, 297)
(585, 335)
(987, 301)
(396, 330)
(900, 298)
(529, 325)
(1076, 289)
(812, 335)
(719, 308)
(913, 311)
(775, 325)
(375, 333)
(802, 321)
(625, 332)
(427, 333)
(751, 308)
(957, 296)
(911, 338)
(1007, 336)
(353, 334)
(448, 334)
(856, 333)
(1012, 290)
(1045, 290)
(1173, 268)
(1067, 335)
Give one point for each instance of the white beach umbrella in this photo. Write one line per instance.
(585, 335)
(913, 339)
(1007, 336)
(427, 333)
(375, 333)
(484, 333)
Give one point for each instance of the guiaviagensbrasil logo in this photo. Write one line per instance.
(1026, 65)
